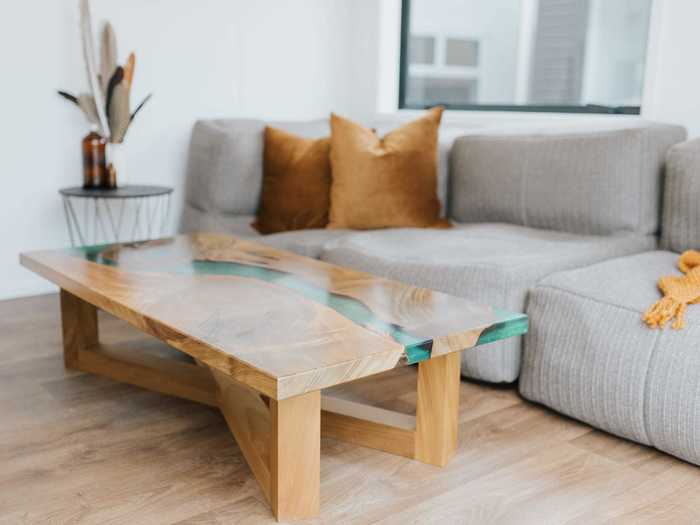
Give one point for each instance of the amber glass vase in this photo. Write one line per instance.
(94, 164)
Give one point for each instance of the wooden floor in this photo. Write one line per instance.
(80, 449)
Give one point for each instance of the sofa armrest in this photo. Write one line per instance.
(680, 226)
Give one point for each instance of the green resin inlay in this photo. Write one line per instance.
(507, 324)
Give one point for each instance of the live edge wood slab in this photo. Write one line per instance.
(267, 330)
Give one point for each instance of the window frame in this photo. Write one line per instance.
(535, 108)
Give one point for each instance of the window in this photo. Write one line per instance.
(524, 55)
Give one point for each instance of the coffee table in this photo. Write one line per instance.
(267, 331)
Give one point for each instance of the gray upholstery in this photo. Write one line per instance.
(224, 172)
(195, 220)
(588, 354)
(493, 264)
(681, 212)
(303, 242)
(595, 183)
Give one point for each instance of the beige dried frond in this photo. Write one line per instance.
(119, 115)
(86, 103)
(108, 55)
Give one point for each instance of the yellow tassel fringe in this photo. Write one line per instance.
(678, 293)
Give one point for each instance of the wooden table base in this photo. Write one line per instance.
(280, 439)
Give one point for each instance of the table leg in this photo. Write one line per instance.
(281, 442)
(295, 466)
(79, 322)
(437, 409)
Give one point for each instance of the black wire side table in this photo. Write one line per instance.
(125, 214)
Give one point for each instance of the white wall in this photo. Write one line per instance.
(672, 84)
(207, 58)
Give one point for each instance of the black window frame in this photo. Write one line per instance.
(553, 108)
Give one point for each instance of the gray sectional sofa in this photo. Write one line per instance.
(559, 220)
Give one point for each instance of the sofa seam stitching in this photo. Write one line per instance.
(523, 197)
(644, 156)
(645, 406)
(506, 270)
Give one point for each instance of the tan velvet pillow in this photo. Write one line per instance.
(296, 183)
(388, 182)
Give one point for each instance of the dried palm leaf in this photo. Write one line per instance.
(90, 65)
(68, 96)
(138, 108)
(119, 112)
(117, 77)
(86, 102)
(129, 69)
(108, 55)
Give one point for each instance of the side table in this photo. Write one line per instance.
(123, 214)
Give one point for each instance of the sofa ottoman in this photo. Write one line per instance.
(589, 355)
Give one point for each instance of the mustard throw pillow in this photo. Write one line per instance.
(296, 183)
(388, 182)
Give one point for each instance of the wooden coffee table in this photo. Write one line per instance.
(268, 330)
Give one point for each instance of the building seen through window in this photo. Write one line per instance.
(564, 55)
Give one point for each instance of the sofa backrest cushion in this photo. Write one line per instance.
(596, 182)
(446, 138)
(680, 225)
(224, 172)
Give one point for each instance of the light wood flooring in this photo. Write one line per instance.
(80, 449)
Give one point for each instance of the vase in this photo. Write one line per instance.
(94, 168)
(116, 166)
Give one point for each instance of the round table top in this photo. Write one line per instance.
(124, 192)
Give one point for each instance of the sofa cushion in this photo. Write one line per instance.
(680, 228)
(309, 243)
(224, 172)
(589, 356)
(195, 220)
(446, 138)
(385, 182)
(581, 181)
(494, 264)
(296, 182)
(303, 242)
